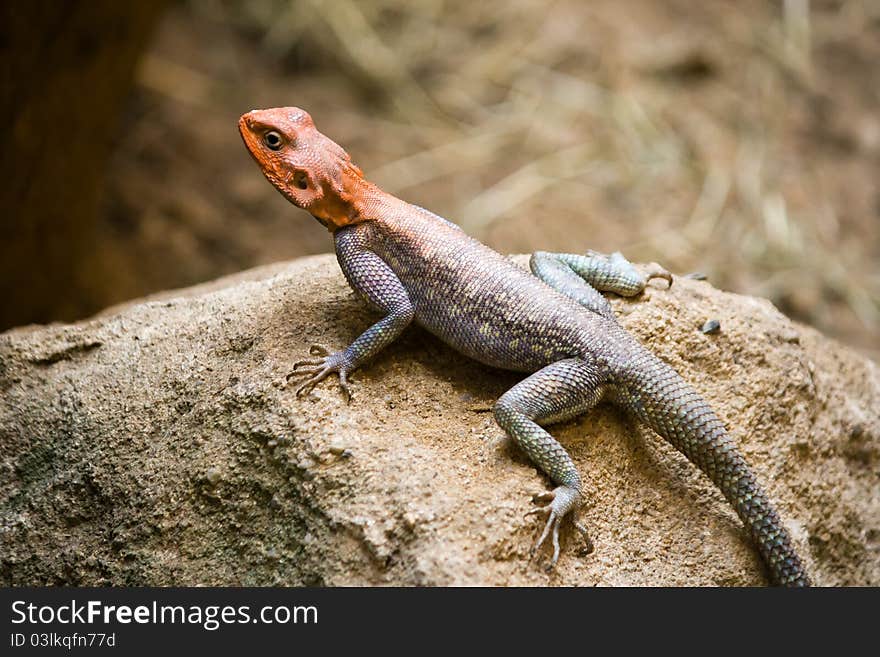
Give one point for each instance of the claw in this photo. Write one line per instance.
(307, 361)
(588, 542)
(656, 271)
(343, 383)
(319, 350)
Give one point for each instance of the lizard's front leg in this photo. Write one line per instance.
(560, 391)
(377, 284)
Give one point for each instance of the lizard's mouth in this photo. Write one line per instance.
(247, 134)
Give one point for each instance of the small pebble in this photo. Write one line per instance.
(213, 476)
(712, 326)
(337, 447)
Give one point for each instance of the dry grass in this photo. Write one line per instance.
(740, 139)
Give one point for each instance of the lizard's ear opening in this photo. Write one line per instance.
(302, 188)
(301, 180)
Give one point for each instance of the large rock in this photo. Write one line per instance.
(157, 444)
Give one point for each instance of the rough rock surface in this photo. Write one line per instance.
(157, 444)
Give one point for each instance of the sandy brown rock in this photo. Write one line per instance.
(157, 444)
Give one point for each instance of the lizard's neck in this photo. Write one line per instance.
(355, 201)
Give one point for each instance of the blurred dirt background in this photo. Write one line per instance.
(739, 139)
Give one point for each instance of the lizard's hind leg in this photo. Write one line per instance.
(583, 277)
(560, 391)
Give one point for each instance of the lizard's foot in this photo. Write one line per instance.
(318, 369)
(562, 501)
(625, 267)
(612, 272)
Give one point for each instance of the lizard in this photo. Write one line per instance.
(552, 323)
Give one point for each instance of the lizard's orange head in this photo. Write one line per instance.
(310, 170)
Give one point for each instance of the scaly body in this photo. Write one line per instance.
(414, 266)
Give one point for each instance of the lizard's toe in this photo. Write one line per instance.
(562, 501)
(318, 369)
(307, 362)
(656, 271)
(316, 375)
(319, 350)
(343, 383)
(315, 350)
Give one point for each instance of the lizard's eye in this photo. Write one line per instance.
(301, 180)
(273, 140)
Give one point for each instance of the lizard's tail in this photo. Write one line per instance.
(658, 396)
